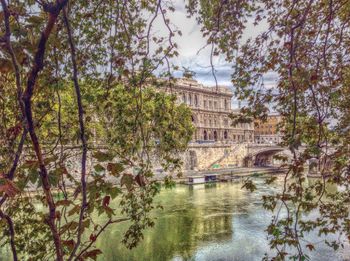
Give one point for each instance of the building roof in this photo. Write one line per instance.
(187, 83)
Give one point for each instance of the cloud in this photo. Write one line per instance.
(193, 56)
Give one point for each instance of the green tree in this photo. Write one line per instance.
(76, 71)
(78, 86)
(306, 44)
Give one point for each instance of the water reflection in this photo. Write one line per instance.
(215, 222)
(204, 222)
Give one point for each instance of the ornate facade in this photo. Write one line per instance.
(211, 107)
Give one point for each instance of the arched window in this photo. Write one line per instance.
(225, 135)
(205, 135)
(215, 135)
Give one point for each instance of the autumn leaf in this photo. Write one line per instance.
(92, 238)
(105, 201)
(140, 180)
(69, 244)
(115, 168)
(64, 202)
(310, 247)
(9, 188)
(92, 254)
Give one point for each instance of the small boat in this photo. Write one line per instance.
(192, 180)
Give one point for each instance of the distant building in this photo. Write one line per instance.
(211, 107)
(267, 132)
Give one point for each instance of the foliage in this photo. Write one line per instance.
(305, 43)
(84, 121)
(80, 76)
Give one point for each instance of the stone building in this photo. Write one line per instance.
(267, 132)
(211, 107)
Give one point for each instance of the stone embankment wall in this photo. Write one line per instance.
(207, 156)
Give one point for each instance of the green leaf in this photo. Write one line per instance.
(33, 175)
(69, 226)
(99, 168)
(35, 20)
(249, 185)
(102, 156)
(127, 180)
(270, 180)
(114, 192)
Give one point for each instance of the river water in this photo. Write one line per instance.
(211, 222)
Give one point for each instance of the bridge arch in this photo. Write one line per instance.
(264, 157)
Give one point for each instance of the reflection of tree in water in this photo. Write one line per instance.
(197, 217)
(191, 218)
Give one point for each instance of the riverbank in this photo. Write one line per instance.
(237, 172)
(234, 173)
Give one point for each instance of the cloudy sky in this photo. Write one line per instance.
(192, 41)
(190, 57)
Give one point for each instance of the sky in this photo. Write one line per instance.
(190, 57)
(192, 41)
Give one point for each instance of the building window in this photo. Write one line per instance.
(225, 135)
(215, 105)
(205, 135)
(205, 104)
(215, 135)
(190, 99)
(225, 104)
(210, 104)
(184, 98)
(196, 100)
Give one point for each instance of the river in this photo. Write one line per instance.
(212, 222)
(216, 222)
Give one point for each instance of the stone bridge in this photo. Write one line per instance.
(263, 155)
(223, 155)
